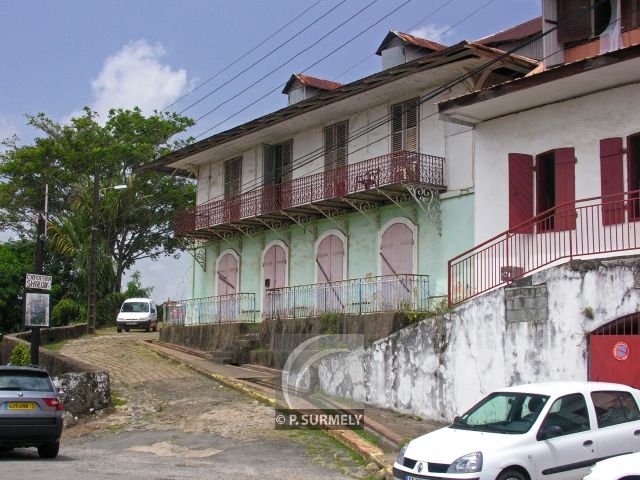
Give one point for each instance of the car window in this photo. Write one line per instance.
(135, 307)
(25, 381)
(503, 413)
(569, 413)
(613, 408)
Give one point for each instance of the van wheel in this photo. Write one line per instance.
(119, 330)
(511, 475)
(126, 330)
(155, 328)
(148, 329)
(49, 450)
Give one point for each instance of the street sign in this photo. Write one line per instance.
(39, 282)
(36, 310)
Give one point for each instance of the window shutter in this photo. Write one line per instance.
(574, 20)
(268, 165)
(630, 15)
(232, 177)
(611, 180)
(342, 136)
(287, 161)
(520, 190)
(411, 133)
(396, 127)
(329, 148)
(565, 163)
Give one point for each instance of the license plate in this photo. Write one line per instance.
(131, 324)
(411, 477)
(21, 406)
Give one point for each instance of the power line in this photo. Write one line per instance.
(259, 44)
(385, 118)
(287, 61)
(262, 58)
(309, 67)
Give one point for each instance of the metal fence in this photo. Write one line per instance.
(239, 307)
(603, 226)
(358, 296)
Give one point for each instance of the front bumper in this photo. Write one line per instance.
(401, 472)
(29, 431)
(122, 324)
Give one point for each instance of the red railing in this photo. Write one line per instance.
(397, 167)
(592, 226)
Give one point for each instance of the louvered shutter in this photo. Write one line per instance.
(565, 218)
(341, 140)
(287, 160)
(611, 180)
(396, 127)
(574, 20)
(411, 126)
(232, 177)
(329, 148)
(520, 190)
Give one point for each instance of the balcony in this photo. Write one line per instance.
(239, 307)
(392, 293)
(378, 180)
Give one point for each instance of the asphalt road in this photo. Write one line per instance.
(172, 423)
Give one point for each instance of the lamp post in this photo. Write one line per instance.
(93, 247)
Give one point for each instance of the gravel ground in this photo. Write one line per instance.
(173, 423)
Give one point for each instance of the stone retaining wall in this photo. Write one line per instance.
(55, 334)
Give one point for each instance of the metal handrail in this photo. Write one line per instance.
(237, 307)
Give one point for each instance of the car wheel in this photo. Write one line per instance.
(147, 329)
(126, 330)
(119, 330)
(155, 328)
(511, 475)
(49, 450)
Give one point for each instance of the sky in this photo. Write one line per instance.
(58, 57)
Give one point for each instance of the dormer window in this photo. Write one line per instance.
(398, 48)
(301, 87)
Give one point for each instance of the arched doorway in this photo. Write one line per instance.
(614, 351)
(227, 274)
(396, 250)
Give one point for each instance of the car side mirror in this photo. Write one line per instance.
(457, 419)
(550, 431)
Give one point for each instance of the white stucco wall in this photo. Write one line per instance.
(439, 368)
(580, 123)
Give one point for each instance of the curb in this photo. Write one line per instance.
(355, 442)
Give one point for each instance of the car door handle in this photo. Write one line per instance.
(588, 443)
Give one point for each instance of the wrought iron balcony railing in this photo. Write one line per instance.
(358, 296)
(239, 307)
(376, 177)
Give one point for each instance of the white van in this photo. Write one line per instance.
(137, 313)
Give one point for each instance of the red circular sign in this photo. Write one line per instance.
(621, 351)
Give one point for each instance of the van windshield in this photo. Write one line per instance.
(135, 307)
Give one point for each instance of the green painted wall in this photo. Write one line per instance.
(435, 246)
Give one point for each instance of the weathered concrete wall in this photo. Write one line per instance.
(440, 367)
(83, 388)
(206, 337)
(55, 334)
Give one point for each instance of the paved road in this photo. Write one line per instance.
(177, 424)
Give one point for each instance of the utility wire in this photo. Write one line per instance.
(259, 44)
(260, 59)
(385, 118)
(309, 67)
(286, 62)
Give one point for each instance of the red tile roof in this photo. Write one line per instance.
(418, 42)
(314, 82)
(524, 30)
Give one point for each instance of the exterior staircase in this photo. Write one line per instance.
(238, 352)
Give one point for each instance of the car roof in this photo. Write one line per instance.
(16, 368)
(138, 300)
(565, 388)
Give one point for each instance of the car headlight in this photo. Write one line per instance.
(467, 464)
(400, 458)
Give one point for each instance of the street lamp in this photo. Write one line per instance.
(93, 248)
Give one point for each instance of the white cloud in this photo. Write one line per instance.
(135, 76)
(433, 32)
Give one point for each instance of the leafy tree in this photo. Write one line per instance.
(16, 259)
(135, 223)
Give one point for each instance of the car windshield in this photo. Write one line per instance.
(25, 381)
(135, 307)
(502, 412)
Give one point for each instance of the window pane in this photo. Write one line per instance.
(613, 408)
(569, 413)
(25, 381)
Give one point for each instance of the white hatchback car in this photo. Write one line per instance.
(552, 431)
(626, 467)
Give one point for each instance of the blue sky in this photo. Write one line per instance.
(59, 56)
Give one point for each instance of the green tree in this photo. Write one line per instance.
(16, 259)
(135, 223)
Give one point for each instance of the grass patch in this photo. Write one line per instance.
(368, 436)
(57, 346)
(116, 399)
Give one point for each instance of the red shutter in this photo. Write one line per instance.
(520, 189)
(565, 162)
(574, 20)
(611, 180)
